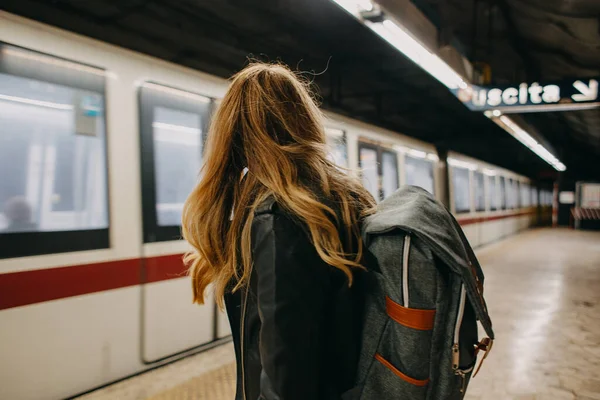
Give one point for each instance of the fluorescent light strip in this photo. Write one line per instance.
(411, 48)
(47, 104)
(519, 133)
(406, 44)
(355, 6)
(436, 67)
(176, 92)
(53, 61)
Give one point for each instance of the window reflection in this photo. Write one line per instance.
(479, 191)
(461, 189)
(502, 187)
(52, 163)
(492, 195)
(177, 159)
(525, 195)
(336, 143)
(419, 172)
(370, 175)
(389, 170)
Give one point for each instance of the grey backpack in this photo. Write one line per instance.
(425, 296)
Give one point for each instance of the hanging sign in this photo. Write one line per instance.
(535, 96)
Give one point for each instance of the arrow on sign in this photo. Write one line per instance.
(588, 92)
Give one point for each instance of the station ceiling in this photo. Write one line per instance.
(359, 75)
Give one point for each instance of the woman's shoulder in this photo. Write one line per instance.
(269, 215)
(267, 206)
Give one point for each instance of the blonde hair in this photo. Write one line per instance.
(269, 123)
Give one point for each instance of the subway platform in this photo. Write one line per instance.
(543, 291)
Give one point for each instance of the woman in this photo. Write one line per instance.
(281, 243)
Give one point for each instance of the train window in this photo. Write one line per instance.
(502, 187)
(514, 193)
(492, 193)
(389, 172)
(517, 193)
(177, 148)
(525, 195)
(336, 142)
(544, 198)
(461, 190)
(534, 196)
(172, 132)
(419, 172)
(369, 170)
(379, 169)
(509, 194)
(479, 191)
(53, 175)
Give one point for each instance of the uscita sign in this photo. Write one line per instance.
(531, 96)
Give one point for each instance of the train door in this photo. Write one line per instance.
(173, 125)
(379, 169)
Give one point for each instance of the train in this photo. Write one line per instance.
(99, 148)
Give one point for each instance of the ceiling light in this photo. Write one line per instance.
(411, 48)
(355, 6)
(403, 41)
(522, 136)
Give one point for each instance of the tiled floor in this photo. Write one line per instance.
(543, 291)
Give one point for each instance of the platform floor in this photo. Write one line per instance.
(543, 292)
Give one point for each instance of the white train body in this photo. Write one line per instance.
(76, 318)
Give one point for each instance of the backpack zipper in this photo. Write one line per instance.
(459, 318)
(405, 253)
(243, 324)
(455, 346)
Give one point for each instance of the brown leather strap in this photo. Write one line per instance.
(399, 374)
(411, 317)
(484, 345)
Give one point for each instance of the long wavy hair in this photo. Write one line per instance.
(269, 123)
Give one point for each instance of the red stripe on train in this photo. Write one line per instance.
(163, 268)
(476, 220)
(41, 285)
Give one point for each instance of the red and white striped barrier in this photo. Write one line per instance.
(579, 213)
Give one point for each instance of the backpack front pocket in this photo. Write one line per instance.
(385, 381)
(406, 341)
